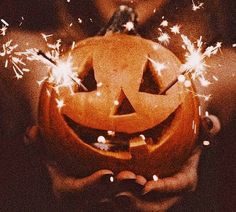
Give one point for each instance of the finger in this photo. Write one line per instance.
(127, 199)
(63, 183)
(211, 124)
(31, 135)
(125, 175)
(141, 180)
(185, 179)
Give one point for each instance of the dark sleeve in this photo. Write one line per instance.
(24, 182)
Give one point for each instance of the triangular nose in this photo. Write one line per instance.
(123, 105)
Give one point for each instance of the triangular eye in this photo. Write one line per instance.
(88, 81)
(124, 106)
(149, 82)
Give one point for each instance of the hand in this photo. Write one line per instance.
(74, 194)
(162, 194)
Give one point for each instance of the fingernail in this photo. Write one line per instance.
(207, 123)
(107, 178)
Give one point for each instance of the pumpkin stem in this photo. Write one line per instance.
(124, 20)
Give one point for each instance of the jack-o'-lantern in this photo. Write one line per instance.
(121, 121)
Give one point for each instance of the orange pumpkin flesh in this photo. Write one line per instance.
(154, 134)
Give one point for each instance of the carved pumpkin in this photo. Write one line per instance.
(121, 122)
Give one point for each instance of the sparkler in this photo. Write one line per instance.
(195, 62)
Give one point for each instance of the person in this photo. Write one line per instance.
(193, 24)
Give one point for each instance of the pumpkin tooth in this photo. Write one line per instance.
(138, 147)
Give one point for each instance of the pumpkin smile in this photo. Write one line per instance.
(117, 141)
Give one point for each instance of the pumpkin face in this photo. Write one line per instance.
(120, 122)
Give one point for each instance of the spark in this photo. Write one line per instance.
(3, 30)
(101, 139)
(195, 58)
(22, 19)
(8, 51)
(198, 6)
(99, 84)
(206, 143)
(199, 110)
(234, 45)
(73, 45)
(45, 37)
(187, 83)
(129, 26)
(164, 38)
(112, 179)
(4, 22)
(181, 78)
(159, 67)
(98, 93)
(155, 178)
(164, 23)
(142, 137)
(80, 20)
(111, 133)
(175, 29)
(40, 82)
(215, 78)
(116, 102)
(60, 103)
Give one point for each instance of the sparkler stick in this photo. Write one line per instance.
(78, 81)
(172, 83)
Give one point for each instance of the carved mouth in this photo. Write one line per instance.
(118, 141)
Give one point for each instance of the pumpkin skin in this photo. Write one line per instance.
(119, 62)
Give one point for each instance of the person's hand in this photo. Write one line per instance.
(162, 194)
(71, 193)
